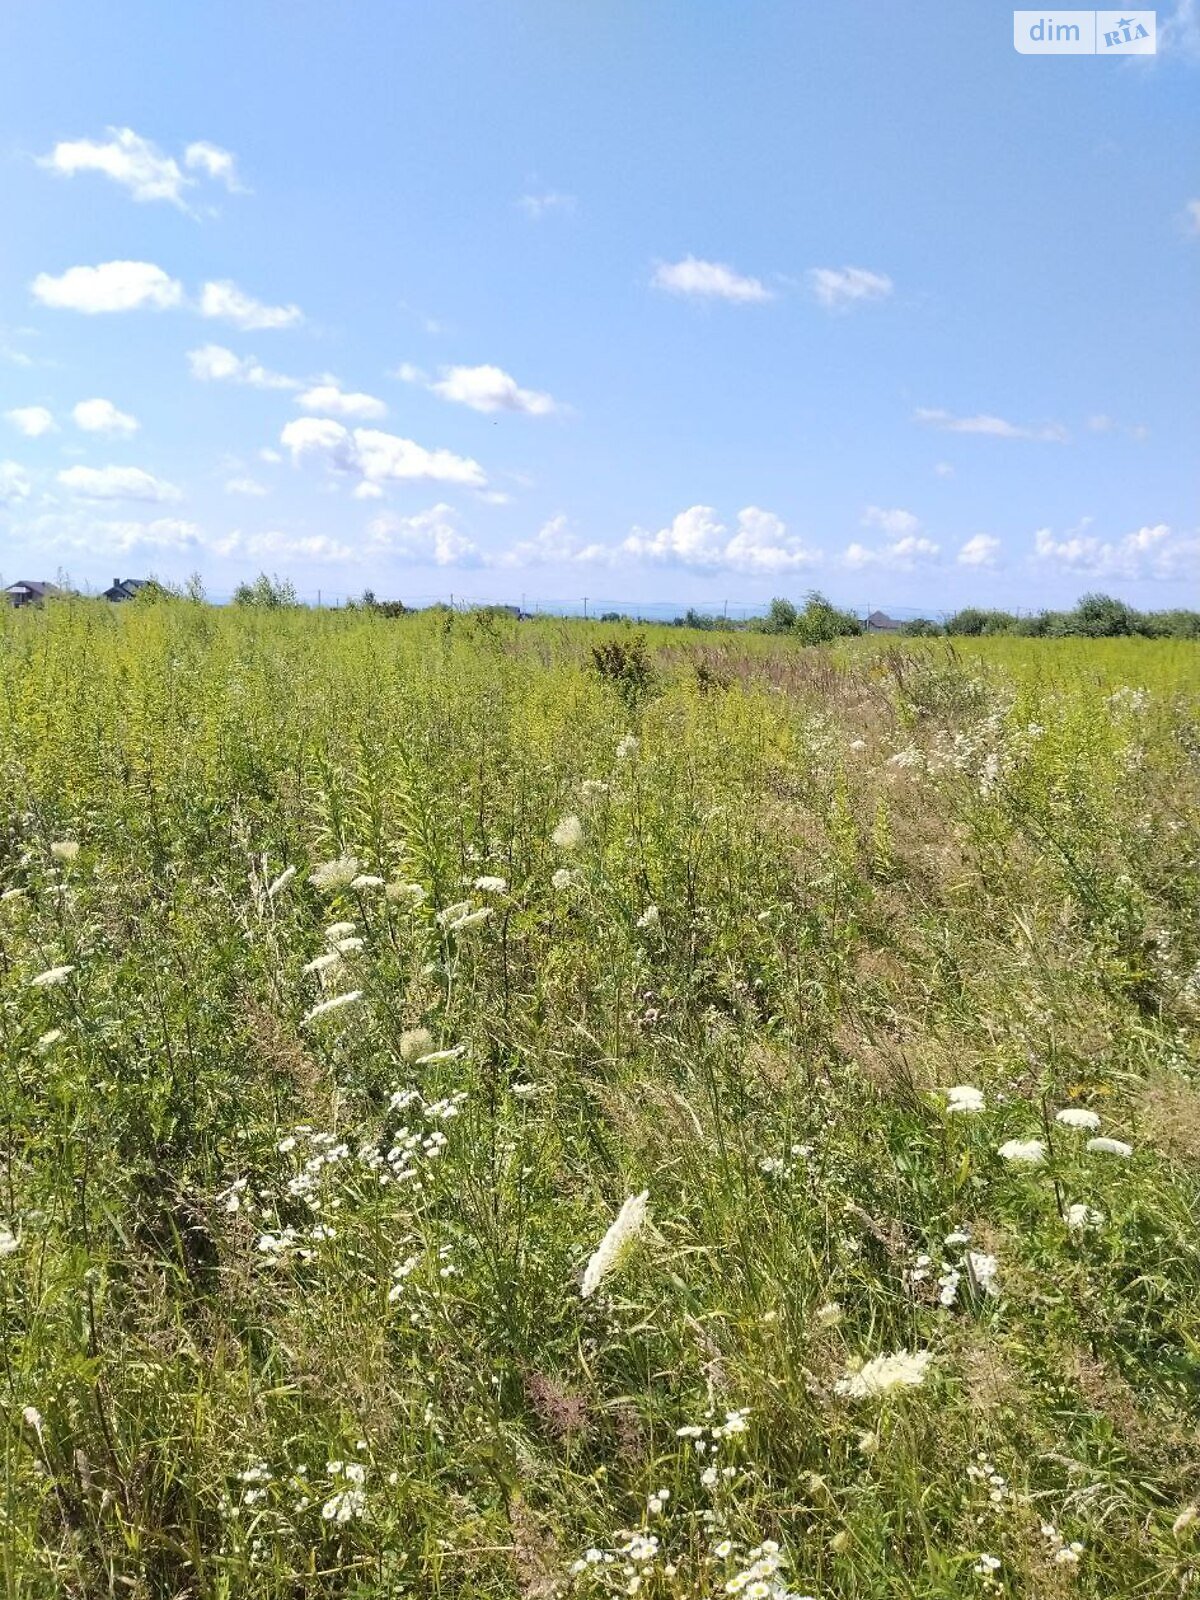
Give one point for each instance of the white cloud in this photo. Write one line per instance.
(14, 483)
(708, 280)
(366, 491)
(129, 160)
(76, 530)
(329, 398)
(306, 547)
(990, 427)
(374, 455)
(223, 299)
(902, 554)
(839, 288)
(247, 486)
(697, 538)
(217, 164)
(980, 551)
(101, 416)
(111, 286)
(1152, 551)
(943, 469)
(489, 388)
(537, 206)
(212, 363)
(554, 542)
(116, 483)
(430, 538)
(895, 522)
(32, 421)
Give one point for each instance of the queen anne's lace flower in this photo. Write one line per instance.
(50, 978)
(964, 1097)
(569, 833)
(905, 1369)
(334, 1004)
(1024, 1152)
(1077, 1117)
(335, 874)
(1109, 1147)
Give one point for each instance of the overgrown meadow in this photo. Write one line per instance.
(481, 1118)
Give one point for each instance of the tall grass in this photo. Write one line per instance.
(291, 1297)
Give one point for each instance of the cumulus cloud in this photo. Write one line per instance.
(14, 483)
(305, 547)
(1151, 551)
(430, 538)
(101, 416)
(980, 551)
(988, 426)
(840, 288)
(896, 521)
(332, 400)
(116, 483)
(697, 538)
(537, 206)
(137, 164)
(902, 555)
(212, 363)
(111, 286)
(376, 456)
(246, 486)
(32, 421)
(483, 388)
(555, 541)
(217, 164)
(223, 299)
(708, 280)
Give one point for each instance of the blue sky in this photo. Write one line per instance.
(646, 301)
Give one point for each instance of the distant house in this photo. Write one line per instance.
(124, 588)
(880, 622)
(31, 592)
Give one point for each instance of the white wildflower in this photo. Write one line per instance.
(986, 1565)
(592, 788)
(470, 919)
(630, 1221)
(452, 914)
(13, 894)
(629, 746)
(48, 1040)
(568, 835)
(1080, 1217)
(562, 879)
(883, 1374)
(281, 882)
(32, 1418)
(366, 880)
(964, 1097)
(344, 1506)
(1077, 1117)
(649, 918)
(336, 874)
(415, 1043)
(983, 1269)
(322, 963)
(349, 947)
(334, 1004)
(340, 930)
(829, 1315)
(8, 1242)
(491, 885)
(48, 979)
(412, 892)
(1024, 1152)
(64, 849)
(526, 1091)
(1185, 1519)
(1109, 1147)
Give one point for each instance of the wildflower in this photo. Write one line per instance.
(48, 979)
(281, 882)
(829, 1315)
(525, 1091)
(452, 914)
(983, 1270)
(13, 894)
(649, 918)
(32, 1418)
(858, 744)
(366, 880)
(562, 879)
(628, 746)
(491, 885)
(867, 1443)
(344, 1506)
(1077, 1117)
(569, 833)
(339, 930)
(656, 1502)
(630, 1221)
(959, 1236)
(322, 963)
(412, 892)
(64, 849)
(883, 1374)
(986, 1565)
(1109, 1147)
(1024, 1152)
(472, 919)
(8, 1242)
(1185, 1519)
(338, 1001)
(1068, 1554)
(48, 1041)
(592, 788)
(336, 874)
(964, 1097)
(349, 947)
(415, 1043)
(1080, 1217)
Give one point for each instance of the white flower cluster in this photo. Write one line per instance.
(884, 1374)
(398, 1158)
(348, 1500)
(1065, 1555)
(616, 1243)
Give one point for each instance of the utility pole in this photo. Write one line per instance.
(585, 608)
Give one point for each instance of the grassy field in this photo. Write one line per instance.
(357, 974)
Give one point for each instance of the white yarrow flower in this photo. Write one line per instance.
(630, 1221)
(366, 880)
(323, 962)
(964, 1097)
(1077, 1117)
(1109, 1147)
(1024, 1152)
(48, 1040)
(905, 1369)
(334, 1004)
(335, 874)
(51, 977)
(569, 833)
(489, 884)
(983, 1269)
